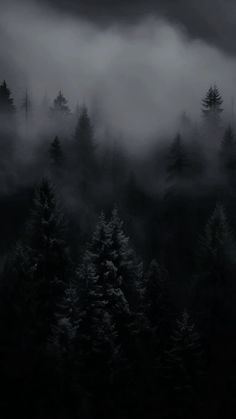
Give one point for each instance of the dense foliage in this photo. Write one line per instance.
(117, 292)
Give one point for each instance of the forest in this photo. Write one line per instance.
(117, 268)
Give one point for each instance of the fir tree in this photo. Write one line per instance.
(215, 277)
(85, 146)
(228, 151)
(97, 334)
(212, 106)
(184, 367)
(157, 303)
(56, 153)
(124, 259)
(6, 101)
(49, 257)
(60, 105)
(217, 248)
(26, 105)
(66, 325)
(102, 253)
(177, 160)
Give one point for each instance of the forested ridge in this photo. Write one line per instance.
(118, 270)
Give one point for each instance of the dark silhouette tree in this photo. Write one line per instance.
(60, 105)
(56, 154)
(228, 151)
(212, 106)
(49, 261)
(26, 106)
(98, 349)
(177, 160)
(6, 101)
(156, 299)
(184, 367)
(84, 136)
(217, 248)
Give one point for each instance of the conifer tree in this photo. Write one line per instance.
(26, 106)
(184, 366)
(157, 303)
(63, 343)
(217, 248)
(56, 153)
(85, 146)
(124, 259)
(177, 163)
(66, 325)
(97, 338)
(105, 254)
(212, 106)
(228, 151)
(60, 105)
(49, 259)
(6, 102)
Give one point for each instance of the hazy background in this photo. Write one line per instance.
(138, 66)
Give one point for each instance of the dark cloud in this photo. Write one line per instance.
(137, 79)
(211, 20)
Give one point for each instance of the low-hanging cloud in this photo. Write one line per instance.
(139, 77)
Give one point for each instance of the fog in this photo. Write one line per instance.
(137, 78)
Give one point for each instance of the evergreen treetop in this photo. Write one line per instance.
(212, 104)
(6, 101)
(60, 105)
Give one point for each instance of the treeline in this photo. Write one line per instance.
(88, 329)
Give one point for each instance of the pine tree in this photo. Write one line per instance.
(26, 106)
(177, 160)
(124, 259)
(212, 106)
(85, 146)
(217, 248)
(66, 325)
(6, 101)
(56, 153)
(102, 253)
(49, 257)
(184, 367)
(228, 151)
(60, 105)
(117, 274)
(156, 300)
(97, 334)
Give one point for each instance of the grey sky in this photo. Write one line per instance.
(140, 76)
(210, 20)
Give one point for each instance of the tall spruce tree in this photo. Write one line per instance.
(26, 106)
(228, 151)
(66, 325)
(156, 299)
(184, 367)
(85, 146)
(60, 105)
(97, 338)
(212, 106)
(49, 258)
(105, 254)
(33, 284)
(56, 154)
(129, 269)
(215, 287)
(6, 101)
(217, 248)
(177, 160)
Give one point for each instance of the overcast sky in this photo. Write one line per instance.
(141, 63)
(210, 20)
